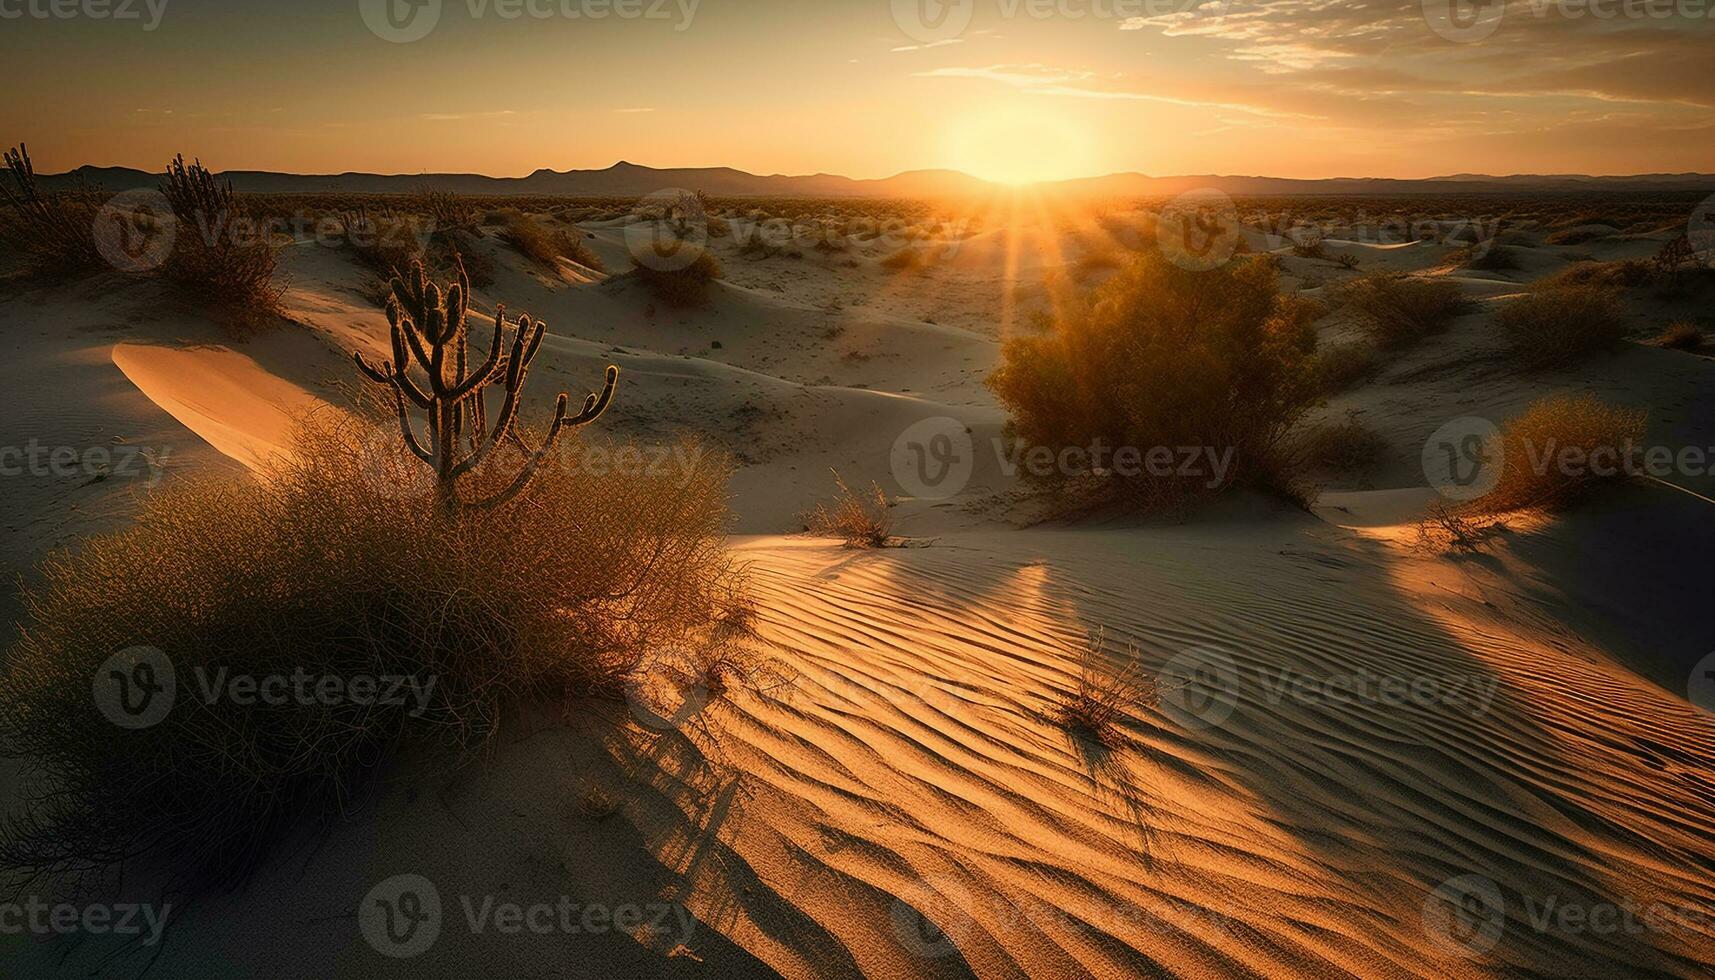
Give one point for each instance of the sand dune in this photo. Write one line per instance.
(895, 799)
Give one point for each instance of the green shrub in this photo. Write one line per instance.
(1165, 357)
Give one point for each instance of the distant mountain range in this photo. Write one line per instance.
(631, 180)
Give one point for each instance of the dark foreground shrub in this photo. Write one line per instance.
(338, 564)
(1396, 310)
(677, 282)
(1556, 323)
(1164, 357)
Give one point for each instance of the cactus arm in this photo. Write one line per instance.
(481, 376)
(405, 428)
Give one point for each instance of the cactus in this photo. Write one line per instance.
(430, 330)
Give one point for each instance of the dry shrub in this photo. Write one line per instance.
(1556, 323)
(546, 247)
(1104, 696)
(1558, 450)
(1345, 446)
(905, 259)
(1580, 234)
(339, 563)
(1165, 357)
(221, 255)
(1493, 258)
(55, 232)
(1680, 335)
(1450, 528)
(1340, 367)
(386, 244)
(862, 520)
(677, 282)
(1397, 310)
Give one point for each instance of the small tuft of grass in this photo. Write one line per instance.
(1104, 696)
(862, 520)
(1680, 335)
(1342, 366)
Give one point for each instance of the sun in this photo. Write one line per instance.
(1019, 144)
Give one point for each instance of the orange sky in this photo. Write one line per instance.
(1005, 89)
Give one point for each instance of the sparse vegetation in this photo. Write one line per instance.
(546, 246)
(1556, 322)
(862, 520)
(1342, 366)
(1397, 310)
(1345, 446)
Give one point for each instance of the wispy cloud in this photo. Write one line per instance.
(1070, 83)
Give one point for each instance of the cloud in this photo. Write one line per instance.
(1072, 83)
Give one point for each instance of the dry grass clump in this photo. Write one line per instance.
(1397, 310)
(862, 520)
(1162, 356)
(1104, 697)
(1556, 323)
(1580, 234)
(545, 246)
(905, 259)
(386, 244)
(55, 232)
(677, 283)
(220, 255)
(338, 563)
(1615, 275)
(1680, 335)
(1345, 446)
(1558, 450)
(1343, 366)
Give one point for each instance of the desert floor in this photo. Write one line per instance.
(904, 766)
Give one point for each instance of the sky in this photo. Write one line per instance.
(1012, 90)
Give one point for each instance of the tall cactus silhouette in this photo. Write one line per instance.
(430, 331)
